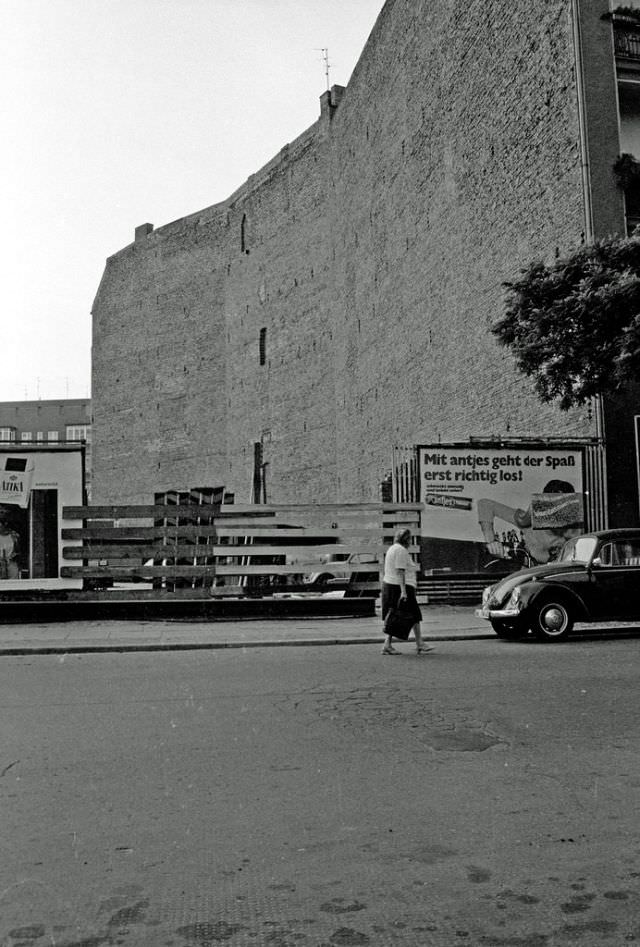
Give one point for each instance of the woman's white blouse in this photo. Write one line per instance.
(398, 557)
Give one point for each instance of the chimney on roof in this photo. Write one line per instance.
(143, 231)
(330, 100)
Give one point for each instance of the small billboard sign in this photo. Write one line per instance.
(35, 484)
(498, 507)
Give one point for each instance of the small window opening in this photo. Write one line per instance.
(243, 234)
(263, 346)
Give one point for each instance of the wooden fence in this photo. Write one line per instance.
(238, 550)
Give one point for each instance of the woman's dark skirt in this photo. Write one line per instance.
(391, 596)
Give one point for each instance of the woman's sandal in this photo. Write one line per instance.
(390, 650)
(425, 649)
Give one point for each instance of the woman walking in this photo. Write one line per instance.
(399, 584)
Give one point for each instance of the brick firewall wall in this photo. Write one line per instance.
(372, 251)
(180, 395)
(283, 285)
(457, 162)
(159, 363)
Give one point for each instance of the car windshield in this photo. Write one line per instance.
(579, 549)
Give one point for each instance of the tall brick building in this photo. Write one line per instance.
(339, 302)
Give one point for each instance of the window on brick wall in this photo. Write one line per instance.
(78, 432)
(26, 436)
(52, 435)
(243, 234)
(263, 346)
(7, 434)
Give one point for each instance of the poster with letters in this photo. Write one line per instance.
(498, 508)
(15, 483)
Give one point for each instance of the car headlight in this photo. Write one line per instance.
(515, 600)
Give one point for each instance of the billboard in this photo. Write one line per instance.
(35, 484)
(498, 508)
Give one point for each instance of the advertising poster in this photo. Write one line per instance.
(35, 485)
(15, 485)
(497, 508)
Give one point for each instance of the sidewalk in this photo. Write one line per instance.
(441, 623)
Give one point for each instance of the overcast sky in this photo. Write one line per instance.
(121, 112)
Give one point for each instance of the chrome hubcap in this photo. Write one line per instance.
(554, 619)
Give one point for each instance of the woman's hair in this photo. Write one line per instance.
(401, 534)
(558, 486)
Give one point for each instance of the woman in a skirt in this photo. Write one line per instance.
(399, 584)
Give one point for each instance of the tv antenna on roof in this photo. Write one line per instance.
(325, 59)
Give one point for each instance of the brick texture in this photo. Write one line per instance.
(372, 250)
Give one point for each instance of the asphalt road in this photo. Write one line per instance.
(487, 794)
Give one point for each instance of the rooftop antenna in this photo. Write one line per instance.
(325, 59)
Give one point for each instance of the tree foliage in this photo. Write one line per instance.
(574, 326)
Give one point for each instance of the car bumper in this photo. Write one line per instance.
(490, 613)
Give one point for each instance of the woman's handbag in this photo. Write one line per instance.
(399, 622)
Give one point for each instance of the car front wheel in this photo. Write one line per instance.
(508, 630)
(551, 620)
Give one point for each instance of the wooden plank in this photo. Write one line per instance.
(78, 554)
(323, 507)
(133, 593)
(309, 553)
(401, 507)
(222, 591)
(108, 532)
(223, 569)
(111, 560)
(191, 570)
(301, 549)
(304, 507)
(302, 532)
(160, 511)
(346, 536)
(363, 541)
(115, 551)
(139, 532)
(136, 572)
(142, 511)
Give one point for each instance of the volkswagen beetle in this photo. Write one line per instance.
(596, 578)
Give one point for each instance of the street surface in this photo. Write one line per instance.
(486, 794)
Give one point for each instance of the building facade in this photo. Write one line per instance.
(339, 303)
(48, 422)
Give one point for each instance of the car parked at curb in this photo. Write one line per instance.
(596, 578)
(338, 568)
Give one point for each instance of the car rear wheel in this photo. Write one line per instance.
(552, 620)
(323, 580)
(508, 630)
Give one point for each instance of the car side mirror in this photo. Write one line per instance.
(596, 563)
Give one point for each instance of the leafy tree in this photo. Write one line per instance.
(574, 326)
